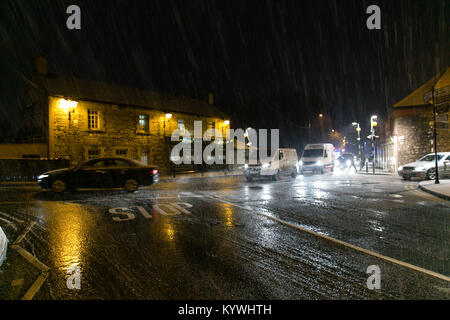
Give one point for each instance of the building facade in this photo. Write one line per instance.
(410, 124)
(80, 119)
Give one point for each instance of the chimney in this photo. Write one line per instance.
(40, 65)
(210, 98)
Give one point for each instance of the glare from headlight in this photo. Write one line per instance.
(319, 163)
(300, 163)
(348, 163)
(246, 166)
(42, 176)
(400, 168)
(266, 165)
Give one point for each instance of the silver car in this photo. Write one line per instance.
(424, 168)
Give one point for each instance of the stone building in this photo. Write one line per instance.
(410, 124)
(82, 119)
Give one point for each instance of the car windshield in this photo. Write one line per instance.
(430, 157)
(313, 153)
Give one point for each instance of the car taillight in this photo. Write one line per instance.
(154, 171)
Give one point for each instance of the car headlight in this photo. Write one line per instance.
(42, 176)
(300, 163)
(348, 163)
(266, 165)
(400, 168)
(319, 163)
(246, 166)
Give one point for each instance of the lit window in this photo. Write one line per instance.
(93, 120)
(121, 152)
(93, 153)
(143, 123)
(144, 156)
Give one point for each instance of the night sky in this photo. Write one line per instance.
(272, 64)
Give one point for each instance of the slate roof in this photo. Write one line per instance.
(81, 89)
(416, 98)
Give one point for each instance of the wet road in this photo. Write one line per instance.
(312, 237)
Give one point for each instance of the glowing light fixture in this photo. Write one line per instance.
(226, 122)
(67, 104)
(168, 115)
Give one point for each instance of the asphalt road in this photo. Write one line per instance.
(312, 237)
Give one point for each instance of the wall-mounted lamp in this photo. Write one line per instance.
(226, 122)
(168, 115)
(68, 105)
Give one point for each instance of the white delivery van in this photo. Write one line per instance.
(317, 157)
(283, 162)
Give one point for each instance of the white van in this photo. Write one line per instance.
(317, 157)
(283, 162)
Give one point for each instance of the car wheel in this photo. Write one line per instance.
(431, 174)
(249, 179)
(131, 185)
(294, 173)
(58, 186)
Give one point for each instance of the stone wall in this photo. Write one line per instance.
(415, 135)
(69, 135)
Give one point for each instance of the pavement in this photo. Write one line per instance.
(441, 190)
(312, 237)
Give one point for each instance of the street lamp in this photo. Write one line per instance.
(372, 137)
(358, 129)
(168, 117)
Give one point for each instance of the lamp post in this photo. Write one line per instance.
(358, 129)
(436, 181)
(372, 137)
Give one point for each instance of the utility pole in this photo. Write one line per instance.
(436, 181)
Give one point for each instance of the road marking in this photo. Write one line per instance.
(34, 261)
(9, 223)
(348, 245)
(30, 258)
(20, 238)
(35, 287)
(17, 282)
(11, 217)
(171, 209)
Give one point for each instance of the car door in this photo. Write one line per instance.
(118, 171)
(92, 175)
(446, 163)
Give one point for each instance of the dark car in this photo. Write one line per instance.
(101, 173)
(346, 161)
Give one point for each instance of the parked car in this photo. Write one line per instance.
(424, 168)
(318, 157)
(283, 162)
(101, 173)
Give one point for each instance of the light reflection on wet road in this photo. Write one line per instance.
(230, 244)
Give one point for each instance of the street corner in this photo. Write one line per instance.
(3, 246)
(440, 190)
